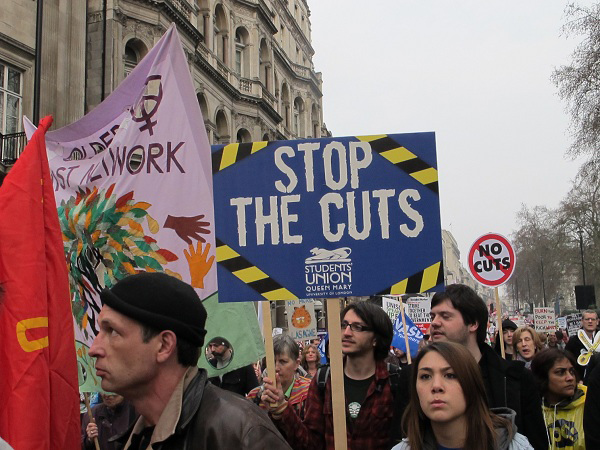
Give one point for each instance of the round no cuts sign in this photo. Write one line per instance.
(492, 260)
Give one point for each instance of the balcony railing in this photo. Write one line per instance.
(11, 146)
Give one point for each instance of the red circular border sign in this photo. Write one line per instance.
(511, 252)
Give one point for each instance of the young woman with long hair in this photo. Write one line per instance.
(448, 405)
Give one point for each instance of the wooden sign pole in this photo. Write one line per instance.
(338, 397)
(408, 357)
(86, 397)
(268, 334)
(499, 320)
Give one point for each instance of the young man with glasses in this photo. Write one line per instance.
(366, 338)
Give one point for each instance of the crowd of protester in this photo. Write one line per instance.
(459, 392)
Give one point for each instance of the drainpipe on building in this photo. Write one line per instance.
(103, 91)
(38, 63)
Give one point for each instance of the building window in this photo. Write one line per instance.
(135, 50)
(131, 59)
(242, 37)
(10, 98)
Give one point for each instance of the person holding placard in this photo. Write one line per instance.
(366, 337)
(294, 386)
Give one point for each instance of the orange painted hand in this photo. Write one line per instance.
(199, 265)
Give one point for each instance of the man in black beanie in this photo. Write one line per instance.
(508, 329)
(151, 330)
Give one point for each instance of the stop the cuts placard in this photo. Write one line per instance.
(492, 260)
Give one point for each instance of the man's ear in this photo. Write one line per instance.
(167, 345)
(473, 327)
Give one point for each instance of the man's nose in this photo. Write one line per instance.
(94, 350)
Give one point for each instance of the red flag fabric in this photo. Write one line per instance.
(39, 395)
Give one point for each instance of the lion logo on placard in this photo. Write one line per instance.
(301, 317)
(321, 255)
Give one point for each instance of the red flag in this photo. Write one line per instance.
(39, 395)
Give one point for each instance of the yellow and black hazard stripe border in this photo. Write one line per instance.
(251, 275)
(421, 281)
(404, 159)
(233, 153)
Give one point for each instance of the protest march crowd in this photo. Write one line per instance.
(457, 393)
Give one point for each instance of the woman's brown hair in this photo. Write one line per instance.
(480, 421)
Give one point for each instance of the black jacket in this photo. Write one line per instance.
(241, 381)
(574, 346)
(109, 422)
(591, 410)
(509, 384)
(213, 419)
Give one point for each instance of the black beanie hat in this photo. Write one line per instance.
(508, 324)
(160, 301)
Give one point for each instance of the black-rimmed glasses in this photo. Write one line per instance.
(354, 326)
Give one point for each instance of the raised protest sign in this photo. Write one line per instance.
(328, 217)
(491, 260)
(133, 185)
(412, 331)
(518, 320)
(302, 322)
(392, 306)
(561, 322)
(418, 309)
(573, 323)
(544, 319)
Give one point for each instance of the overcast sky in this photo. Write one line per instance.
(477, 73)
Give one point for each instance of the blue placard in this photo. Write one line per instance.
(330, 217)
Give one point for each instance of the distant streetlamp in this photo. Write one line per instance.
(543, 283)
(580, 231)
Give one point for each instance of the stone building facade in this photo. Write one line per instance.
(250, 60)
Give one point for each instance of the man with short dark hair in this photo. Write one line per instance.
(151, 328)
(583, 340)
(367, 333)
(459, 315)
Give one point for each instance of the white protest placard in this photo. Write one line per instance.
(518, 320)
(302, 322)
(392, 306)
(544, 319)
(562, 323)
(418, 309)
(573, 323)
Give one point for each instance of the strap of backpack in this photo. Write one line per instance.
(322, 376)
